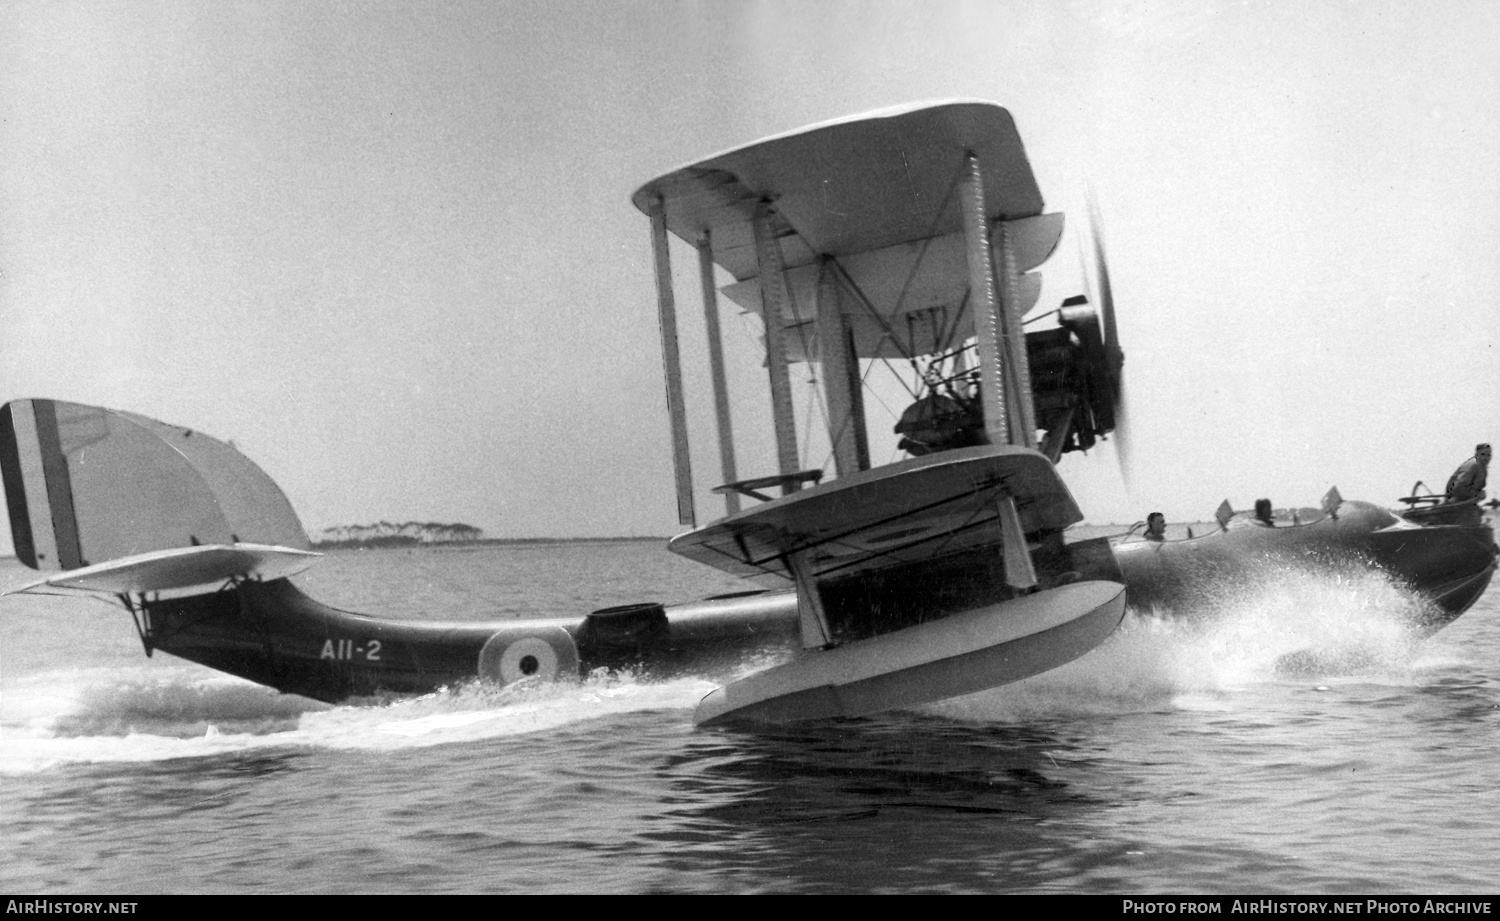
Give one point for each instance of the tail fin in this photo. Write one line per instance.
(85, 485)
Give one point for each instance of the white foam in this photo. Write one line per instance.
(478, 711)
(107, 716)
(1299, 623)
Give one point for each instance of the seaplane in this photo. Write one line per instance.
(908, 235)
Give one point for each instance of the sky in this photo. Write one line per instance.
(388, 250)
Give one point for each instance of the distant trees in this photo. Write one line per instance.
(396, 534)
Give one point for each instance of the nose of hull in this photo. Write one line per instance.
(1458, 596)
(1451, 565)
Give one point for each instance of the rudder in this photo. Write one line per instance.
(85, 485)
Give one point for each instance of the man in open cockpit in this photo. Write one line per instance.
(1468, 480)
(1263, 514)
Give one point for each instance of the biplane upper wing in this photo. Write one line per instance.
(849, 186)
(876, 193)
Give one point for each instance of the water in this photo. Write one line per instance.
(1298, 739)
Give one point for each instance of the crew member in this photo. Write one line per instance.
(939, 423)
(1156, 526)
(1263, 513)
(1468, 480)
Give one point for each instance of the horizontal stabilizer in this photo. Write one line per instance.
(183, 567)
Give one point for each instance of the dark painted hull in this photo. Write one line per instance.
(274, 634)
(1449, 564)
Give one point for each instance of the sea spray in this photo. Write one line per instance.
(1281, 620)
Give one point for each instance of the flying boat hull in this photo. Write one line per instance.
(274, 634)
(1450, 565)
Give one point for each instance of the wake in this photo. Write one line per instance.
(137, 715)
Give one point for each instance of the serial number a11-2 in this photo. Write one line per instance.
(345, 649)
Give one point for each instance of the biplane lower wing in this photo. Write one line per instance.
(929, 578)
(903, 513)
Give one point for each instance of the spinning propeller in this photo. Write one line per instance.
(1077, 369)
(1114, 356)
